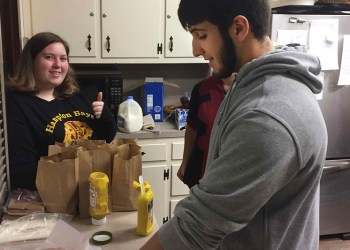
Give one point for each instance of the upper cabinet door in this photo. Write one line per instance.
(132, 29)
(178, 42)
(74, 21)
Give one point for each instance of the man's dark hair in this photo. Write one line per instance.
(222, 12)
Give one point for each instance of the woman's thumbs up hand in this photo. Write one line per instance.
(97, 106)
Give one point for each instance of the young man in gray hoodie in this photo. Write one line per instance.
(268, 144)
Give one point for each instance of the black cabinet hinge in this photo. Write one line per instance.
(165, 219)
(166, 174)
(159, 48)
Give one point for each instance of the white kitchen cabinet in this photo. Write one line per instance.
(178, 42)
(75, 21)
(111, 31)
(160, 163)
(178, 190)
(155, 174)
(133, 28)
(279, 3)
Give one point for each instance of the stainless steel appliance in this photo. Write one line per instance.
(335, 106)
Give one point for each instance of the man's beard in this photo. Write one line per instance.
(228, 57)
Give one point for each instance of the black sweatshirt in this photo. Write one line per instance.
(33, 124)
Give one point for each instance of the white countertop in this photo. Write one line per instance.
(161, 130)
(122, 225)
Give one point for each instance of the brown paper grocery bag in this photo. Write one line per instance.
(57, 183)
(86, 144)
(57, 148)
(96, 160)
(127, 167)
(113, 148)
(122, 141)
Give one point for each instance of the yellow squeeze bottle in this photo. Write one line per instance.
(98, 208)
(144, 208)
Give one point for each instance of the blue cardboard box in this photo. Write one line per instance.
(154, 98)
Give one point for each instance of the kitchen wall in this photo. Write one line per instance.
(184, 75)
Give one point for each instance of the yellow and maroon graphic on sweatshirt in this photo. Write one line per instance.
(76, 130)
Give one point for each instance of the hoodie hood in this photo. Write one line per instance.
(300, 65)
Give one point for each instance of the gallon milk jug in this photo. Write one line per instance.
(130, 117)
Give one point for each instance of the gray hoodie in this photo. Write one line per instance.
(267, 149)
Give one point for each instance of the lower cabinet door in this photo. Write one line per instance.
(177, 186)
(154, 175)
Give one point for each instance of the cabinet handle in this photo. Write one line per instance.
(89, 42)
(92, 13)
(159, 48)
(104, 15)
(171, 45)
(332, 166)
(108, 44)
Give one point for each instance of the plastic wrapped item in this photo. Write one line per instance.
(23, 202)
(180, 118)
(30, 227)
(148, 122)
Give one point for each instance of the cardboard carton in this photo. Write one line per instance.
(150, 95)
(154, 98)
(181, 118)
